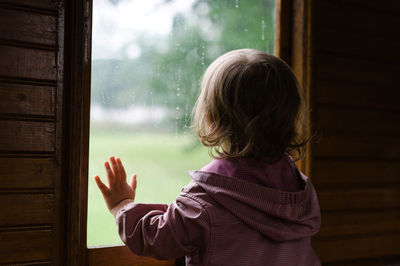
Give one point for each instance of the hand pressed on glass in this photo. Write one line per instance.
(118, 189)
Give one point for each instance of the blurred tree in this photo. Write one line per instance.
(170, 77)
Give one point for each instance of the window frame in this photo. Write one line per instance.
(292, 44)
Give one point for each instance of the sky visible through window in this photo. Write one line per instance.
(147, 61)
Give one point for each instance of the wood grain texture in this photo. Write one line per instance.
(356, 121)
(27, 136)
(349, 69)
(390, 7)
(20, 246)
(355, 198)
(121, 256)
(355, 172)
(27, 173)
(353, 146)
(359, 222)
(36, 5)
(361, 247)
(27, 99)
(26, 209)
(27, 26)
(355, 18)
(356, 44)
(27, 63)
(369, 95)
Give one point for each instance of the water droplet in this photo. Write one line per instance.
(177, 108)
(177, 94)
(178, 89)
(263, 29)
(237, 4)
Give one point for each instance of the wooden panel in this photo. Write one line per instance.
(377, 147)
(346, 68)
(348, 198)
(27, 136)
(27, 63)
(27, 173)
(341, 15)
(355, 121)
(333, 91)
(121, 256)
(330, 172)
(348, 248)
(19, 246)
(27, 26)
(26, 209)
(359, 222)
(43, 4)
(354, 44)
(389, 7)
(26, 99)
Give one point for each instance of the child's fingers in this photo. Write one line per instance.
(121, 169)
(133, 182)
(110, 174)
(103, 188)
(115, 169)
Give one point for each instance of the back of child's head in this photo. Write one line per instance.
(249, 106)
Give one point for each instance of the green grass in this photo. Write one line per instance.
(161, 162)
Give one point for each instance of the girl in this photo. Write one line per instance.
(250, 205)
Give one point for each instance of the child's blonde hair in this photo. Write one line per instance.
(249, 106)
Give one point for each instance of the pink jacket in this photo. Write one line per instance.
(221, 220)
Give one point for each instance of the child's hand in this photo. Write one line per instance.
(118, 189)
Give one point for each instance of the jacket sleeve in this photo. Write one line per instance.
(162, 231)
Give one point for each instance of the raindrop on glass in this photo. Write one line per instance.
(237, 4)
(262, 28)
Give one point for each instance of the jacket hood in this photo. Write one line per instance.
(279, 215)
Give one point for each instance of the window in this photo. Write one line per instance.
(292, 44)
(147, 61)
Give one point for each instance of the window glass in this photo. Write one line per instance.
(148, 58)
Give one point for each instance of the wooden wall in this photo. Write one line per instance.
(31, 89)
(356, 164)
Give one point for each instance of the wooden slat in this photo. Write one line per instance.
(334, 91)
(26, 99)
(354, 120)
(19, 246)
(27, 63)
(389, 7)
(348, 248)
(350, 198)
(37, 4)
(26, 209)
(330, 172)
(121, 256)
(359, 222)
(27, 136)
(355, 44)
(356, 19)
(377, 147)
(36, 262)
(27, 27)
(349, 69)
(27, 173)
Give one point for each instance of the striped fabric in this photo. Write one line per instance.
(226, 220)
